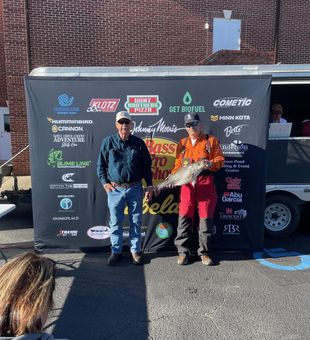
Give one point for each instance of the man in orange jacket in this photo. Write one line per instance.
(201, 193)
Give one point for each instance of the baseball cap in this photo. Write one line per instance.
(277, 108)
(191, 117)
(122, 115)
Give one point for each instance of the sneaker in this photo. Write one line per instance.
(113, 259)
(136, 258)
(206, 260)
(182, 260)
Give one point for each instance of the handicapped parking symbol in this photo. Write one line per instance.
(304, 260)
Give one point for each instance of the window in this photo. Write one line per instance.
(226, 34)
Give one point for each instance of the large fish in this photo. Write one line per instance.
(184, 175)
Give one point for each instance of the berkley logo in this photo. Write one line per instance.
(103, 105)
(143, 104)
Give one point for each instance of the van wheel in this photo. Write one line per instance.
(282, 216)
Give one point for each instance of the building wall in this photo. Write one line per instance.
(3, 91)
(136, 32)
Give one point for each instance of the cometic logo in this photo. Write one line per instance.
(228, 102)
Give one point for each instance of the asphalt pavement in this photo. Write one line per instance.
(250, 296)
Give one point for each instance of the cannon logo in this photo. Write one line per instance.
(148, 105)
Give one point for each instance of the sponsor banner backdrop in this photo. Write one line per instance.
(69, 117)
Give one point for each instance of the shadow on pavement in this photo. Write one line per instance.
(103, 302)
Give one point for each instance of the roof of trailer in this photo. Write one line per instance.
(276, 70)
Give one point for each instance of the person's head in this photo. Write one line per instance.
(192, 124)
(276, 112)
(123, 124)
(27, 284)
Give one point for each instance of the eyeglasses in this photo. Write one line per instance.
(191, 125)
(123, 121)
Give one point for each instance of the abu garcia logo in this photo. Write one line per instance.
(65, 101)
(55, 160)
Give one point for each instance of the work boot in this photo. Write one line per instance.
(136, 258)
(182, 260)
(206, 260)
(113, 259)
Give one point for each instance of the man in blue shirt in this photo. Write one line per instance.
(123, 162)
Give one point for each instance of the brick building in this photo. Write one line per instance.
(36, 33)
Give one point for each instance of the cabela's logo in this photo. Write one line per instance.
(143, 105)
(55, 160)
(187, 107)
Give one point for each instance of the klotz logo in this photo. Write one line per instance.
(231, 229)
(187, 107)
(65, 101)
(163, 230)
(143, 105)
(103, 105)
(233, 183)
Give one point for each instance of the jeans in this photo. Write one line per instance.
(117, 199)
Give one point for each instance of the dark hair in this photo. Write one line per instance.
(27, 284)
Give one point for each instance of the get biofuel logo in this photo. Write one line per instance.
(187, 107)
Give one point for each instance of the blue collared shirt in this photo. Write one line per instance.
(122, 161)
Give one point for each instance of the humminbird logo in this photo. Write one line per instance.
(232, 102)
